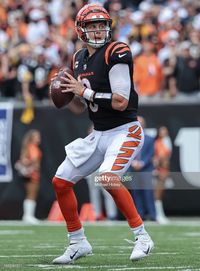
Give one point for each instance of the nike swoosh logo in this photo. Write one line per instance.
(121, 55)
(72, 256)
(147, 251)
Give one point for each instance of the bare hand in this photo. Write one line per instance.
(72, 85)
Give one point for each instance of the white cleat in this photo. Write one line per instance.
(142, 248)
(73, 252)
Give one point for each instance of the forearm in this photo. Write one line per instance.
(118, 102)
(106, 100)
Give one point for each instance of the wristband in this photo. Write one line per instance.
(88, 94)
(103, 99)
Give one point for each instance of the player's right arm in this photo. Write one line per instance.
(119, 63)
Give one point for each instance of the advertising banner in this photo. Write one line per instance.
(6, 115)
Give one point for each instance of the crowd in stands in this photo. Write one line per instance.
(38, 37)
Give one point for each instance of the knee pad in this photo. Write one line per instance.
(61, 185)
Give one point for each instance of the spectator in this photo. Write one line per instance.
(3, 71)
(28, 166)
(38, 28)
(41, 74)
(167, 57)
(148, 75)
(95, 193)
(163, 151)
(9, 86)
(142, 167)
(124, 25)
(50, 24)
(55, 8)
(186, 73)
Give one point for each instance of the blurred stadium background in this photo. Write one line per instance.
(36, 39)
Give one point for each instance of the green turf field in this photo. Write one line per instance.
(177, 247)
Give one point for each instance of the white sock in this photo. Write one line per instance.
(29, 207)
(139, 230)
(159, 208)
(76, 236)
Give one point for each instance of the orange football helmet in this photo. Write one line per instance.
(93, 13)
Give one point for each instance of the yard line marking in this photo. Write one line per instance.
(44, 246)
(27, 256)
(192, 234)
(122, 253)
(25, 249)
(108, 267)
(105, 247)
(151, 268)
(166, 253)
(73, 266)
(15, 232)
(51, 266)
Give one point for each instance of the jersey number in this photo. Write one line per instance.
(94, 107)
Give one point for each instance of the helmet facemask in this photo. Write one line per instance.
(95, 43)
(93, 13)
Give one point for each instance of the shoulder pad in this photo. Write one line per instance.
(118, 52)
(75, 57)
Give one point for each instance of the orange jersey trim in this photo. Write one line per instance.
(108, 51)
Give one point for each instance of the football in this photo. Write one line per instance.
(59, 98)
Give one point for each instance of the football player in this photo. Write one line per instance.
(103, 79)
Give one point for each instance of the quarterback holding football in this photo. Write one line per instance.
(102, 82)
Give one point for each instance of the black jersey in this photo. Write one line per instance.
(94, 73)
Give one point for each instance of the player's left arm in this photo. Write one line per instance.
(120, 82)
(118, 58)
